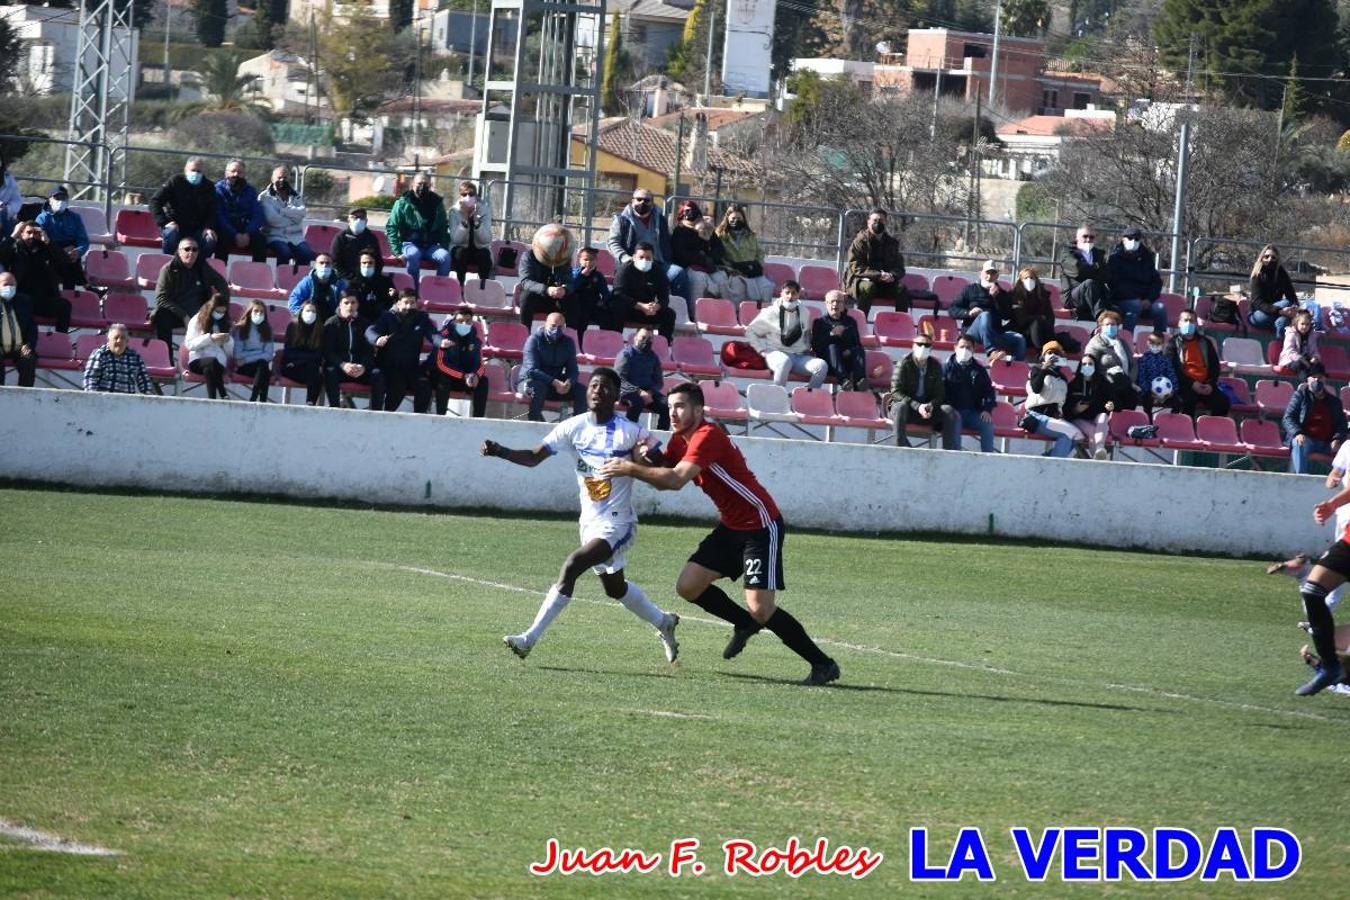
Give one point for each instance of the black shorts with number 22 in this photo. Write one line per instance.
(757, 554)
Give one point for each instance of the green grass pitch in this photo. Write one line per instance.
(248, 699)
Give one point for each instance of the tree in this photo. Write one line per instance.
(1025, 18)
(11, 54)
(615, 58)
(357, 59)
(1294, 100)
(218, 75)
(212, 16)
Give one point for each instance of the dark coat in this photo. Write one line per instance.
(193, 208)
(1267, 287)
(871, 254)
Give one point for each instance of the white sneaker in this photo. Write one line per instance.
(1340, 688)
(667, 632)
(518, 645)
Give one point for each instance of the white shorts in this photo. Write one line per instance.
(619, 535)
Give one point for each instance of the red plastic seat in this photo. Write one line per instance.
(714, 316)
(506, 340)
(817, 281)
(948, 288)
(1219, 435)
(602, 347)
(386, 251)
(401, 279)
(916, 281)
(694, 356)
(1263, 438)
(86, 344)
(288, 276)
(1175, 304)
(858, 409)
(320, 236)
(1272, 397)
(440, 293)
(498, 379)
(865, 334)
(156, 357)
(1335, 358)
(1009, 377)
(148, 267)
(879, 369)
(486, 298)
(279, 317)
(721, 400)
(84, 309)
(130, 310)
(1122, 420)
(942, 330)
(1241, 394)
(1177, 431)
(254, 280)
(55, 351)
(137, 228)
(815, 406)
(95, 224)
(109, 269)
(893, 329)
(1345, 397)
(1005, 421)
(778, 273)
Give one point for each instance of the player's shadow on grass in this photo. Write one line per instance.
(995, 698)
(577, 670)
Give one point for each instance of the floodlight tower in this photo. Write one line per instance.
(100, 100)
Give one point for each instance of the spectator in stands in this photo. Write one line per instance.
(458, 364)
(589, 298)
(1155, 364)
(184, 284)
(418, 228)
(351, 242)
(348, 356)
(1271, 292)
(470, 226)
(835, 339)
(1196, 361)
(302, 356)
(11, 198)
(876, 266)
(743, 260)
(239, 215)
(782, 335)
(37, 268)
(698, 251)
(1314, 421)
(254, 349)
(115, 368)
(1132, 272)
(374, 291)
(642, 292)
(209, 346)
(322, 285)
(185, 207)
(18, 333)
(1087, 280)
(1047, 391)
(1300, 345)
(970, 393)
(918, 396)
(398, 336)
(985, 310)
(1089, 405)
(549, 369)
(642, 383)
(284, 213)
(1113, 360)
(1033, 316)
(641, 223)
(544, 288)
(66, 235)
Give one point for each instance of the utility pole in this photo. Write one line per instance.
(973, 206)
(679, 151)
(417, 84)
(1279, 127)
(1179, 209)
(707, 71)
(473, 40)
(993, 62)
(168, 30)
(937, 92)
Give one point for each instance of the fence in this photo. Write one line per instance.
(1042, 244)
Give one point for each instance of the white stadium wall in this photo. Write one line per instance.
(190, 445)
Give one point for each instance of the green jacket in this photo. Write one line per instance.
(905, 383)
(407, 224)
(740, 247)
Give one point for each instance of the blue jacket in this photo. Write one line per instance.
(464, 356)
(403, 351)
(252, 348)
(1134, 276)
(64, 229)
(639, 370)
(1155, 365)
(547, 360)
(1301, 405)
(627, 230)
(592, 288)
(968, 386)
(325, 297)
(237, 213)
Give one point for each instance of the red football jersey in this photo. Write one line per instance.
(741, 500)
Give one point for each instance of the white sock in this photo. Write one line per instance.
(554, 602)
(637, 603)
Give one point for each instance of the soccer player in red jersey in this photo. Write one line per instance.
(747, 540)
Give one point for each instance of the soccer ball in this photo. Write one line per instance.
(552, 245)
(1161, 387)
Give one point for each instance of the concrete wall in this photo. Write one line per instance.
(198, 445)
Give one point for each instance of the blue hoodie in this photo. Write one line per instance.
(237, 213)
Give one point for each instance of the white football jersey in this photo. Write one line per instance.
(593, 445)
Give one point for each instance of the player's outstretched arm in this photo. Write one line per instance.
(1325, 509)
(660, 478)
(527, 458)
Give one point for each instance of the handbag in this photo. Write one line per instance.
(740, 355)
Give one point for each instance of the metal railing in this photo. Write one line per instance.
(143, 170)
(1218, 263)
(52, 172)
(1044, 250)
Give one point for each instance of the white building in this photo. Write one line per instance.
(50, 43)
(1031, 146)
(282, 79)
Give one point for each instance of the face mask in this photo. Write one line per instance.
(919, 353)
(1186, 328)
(791, 305)
(552, 333)
(964, 355)
(420, 190)
(642, 265)
(257, 318)
(736, 225)
(8, 291)
(642, 206)
(358, 225)
(58, 206)
(193, 178)
(235, 182)
(1053, 361)
(1131, 245)
(463, 328)
(309, 316)
(1111, 331)
(281, 186)
(367, 271)
(1086, 244)
(878, 227)
(1316, 385)
(691, 217)
(1029, 283)
(322, 272)
(1155, 348)
(1088, 371)
(217, 314)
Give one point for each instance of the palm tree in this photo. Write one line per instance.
(219, 78)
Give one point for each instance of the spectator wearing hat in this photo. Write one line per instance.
(1132, 272)
(1313, 421)
(66, 235)
(1047, 394)
(985, 311)
(351, 242)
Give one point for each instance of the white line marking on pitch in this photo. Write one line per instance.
(43, 840)
(896, 654)
(668, 714)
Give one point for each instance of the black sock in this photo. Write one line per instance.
(791, 632)
(716, 601)
(1323, 626)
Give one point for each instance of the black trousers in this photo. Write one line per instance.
(53, 306)
(310, 374)
(398, 383)
(534, 306)
(658, 405)
(847, 365)
(1088, 299)
(261, 373)
(256, 247)
(72, 270)
(1216, 403)
(663, 321)
(333, 377)
(26, 366)
(164, 321)
(214, 373)
(478, 257)
(447, 385)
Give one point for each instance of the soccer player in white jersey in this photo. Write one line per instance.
(608, 520)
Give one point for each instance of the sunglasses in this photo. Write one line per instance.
(188, 249)
(922, 344)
